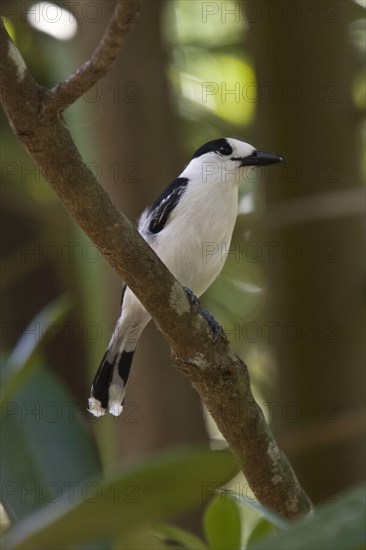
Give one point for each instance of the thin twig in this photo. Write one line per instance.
(69, 90)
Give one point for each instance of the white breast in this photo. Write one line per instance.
(198, 230)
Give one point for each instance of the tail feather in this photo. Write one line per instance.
(109, 385)
(124, 365)
(102, 380)
(117, 387)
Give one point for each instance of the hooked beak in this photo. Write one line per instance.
(261, 158)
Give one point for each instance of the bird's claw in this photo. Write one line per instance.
(214, 325)
(192, 297)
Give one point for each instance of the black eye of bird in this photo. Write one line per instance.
(225, 149)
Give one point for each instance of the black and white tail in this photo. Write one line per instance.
(109, 385)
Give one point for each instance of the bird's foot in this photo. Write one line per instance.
(214, 325)
(192, 297)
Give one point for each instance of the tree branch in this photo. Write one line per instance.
(219, 376)
(72, 88)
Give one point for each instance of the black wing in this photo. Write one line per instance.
(165, 204)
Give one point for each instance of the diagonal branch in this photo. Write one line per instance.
(74, 86)
(219, 376)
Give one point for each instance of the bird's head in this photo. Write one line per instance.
(224, 160)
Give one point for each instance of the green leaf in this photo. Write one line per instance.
(48, 449)
(222, 523)
(141, 538)
(20, 364)
(175, 537)
(336, 526)
(270, 516)
(151, 491)
(262, 529)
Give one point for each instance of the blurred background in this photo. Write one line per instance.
(287, 77)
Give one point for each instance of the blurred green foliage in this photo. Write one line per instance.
(155, 489)
(53, 489)
(57, 499)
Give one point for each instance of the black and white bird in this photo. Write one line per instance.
(197, 208)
